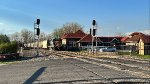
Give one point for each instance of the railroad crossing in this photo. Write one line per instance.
(70, 68)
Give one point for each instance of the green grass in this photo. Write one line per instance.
(8, 61)
(3, 62)
(135, 54)
(144, 56)
(123, 53)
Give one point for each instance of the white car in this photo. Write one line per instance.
(108, 49)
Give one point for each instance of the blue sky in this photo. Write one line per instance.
(111, 15)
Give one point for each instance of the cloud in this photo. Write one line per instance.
(147, 32)
(1, 23)
(8, 29)
(128, 33)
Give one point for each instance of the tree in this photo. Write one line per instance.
(15, 36)
(66, 28)
(71, 27)
(27, 36)
(4, 39)
(31, 36)
(58, 33)
(42, 36)
(49, 36)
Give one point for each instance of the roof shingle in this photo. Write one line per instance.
(78, 34)
(88, 38)
(136, 36)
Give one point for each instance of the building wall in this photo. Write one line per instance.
(141, 47)
(70, 43)
(64, 41)
(132, 43)
(144, 48)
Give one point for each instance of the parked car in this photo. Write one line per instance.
(108, 49)
(97, 49)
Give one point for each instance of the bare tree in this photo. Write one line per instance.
(66, 28)
(27, 35)
(15, 36)
(31, 36)
(42, 36)
(57, 33)
(71, 27)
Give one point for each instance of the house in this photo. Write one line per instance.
(136, 41)
(82, 40)
(86, 41)
(140, 41)
(69, 40)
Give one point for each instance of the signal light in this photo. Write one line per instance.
(90, 31)
(38, 21)
(94, 32)
(38, 31)
(94, 22)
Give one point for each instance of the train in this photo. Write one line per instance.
(55, 44)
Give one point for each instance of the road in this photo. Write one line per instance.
(59, 68)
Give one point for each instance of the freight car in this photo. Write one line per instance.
(55, 44)
(45, 44)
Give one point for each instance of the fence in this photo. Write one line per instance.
(141, 50)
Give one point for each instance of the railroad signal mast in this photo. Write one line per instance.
(93, 33)
(36, 34)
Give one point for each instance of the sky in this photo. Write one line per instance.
(112, 16)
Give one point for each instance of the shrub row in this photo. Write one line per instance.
(7, 48)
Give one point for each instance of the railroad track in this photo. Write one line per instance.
(137, 68)
(128, 66)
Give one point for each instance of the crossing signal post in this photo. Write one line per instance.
(93, 33)
(36, 34)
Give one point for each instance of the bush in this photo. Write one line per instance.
(6, 48)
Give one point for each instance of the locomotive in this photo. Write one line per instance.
(57, 44)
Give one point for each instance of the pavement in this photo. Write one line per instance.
(2, 64)
(64, 70)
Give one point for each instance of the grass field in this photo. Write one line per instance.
(134, 54)
(144, 56)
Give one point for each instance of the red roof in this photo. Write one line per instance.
(109, 39)
(145, 38)
(88, 38)
(136, 36)
(136, 33)
(63, 36)
(124, 39)
(78, 34)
